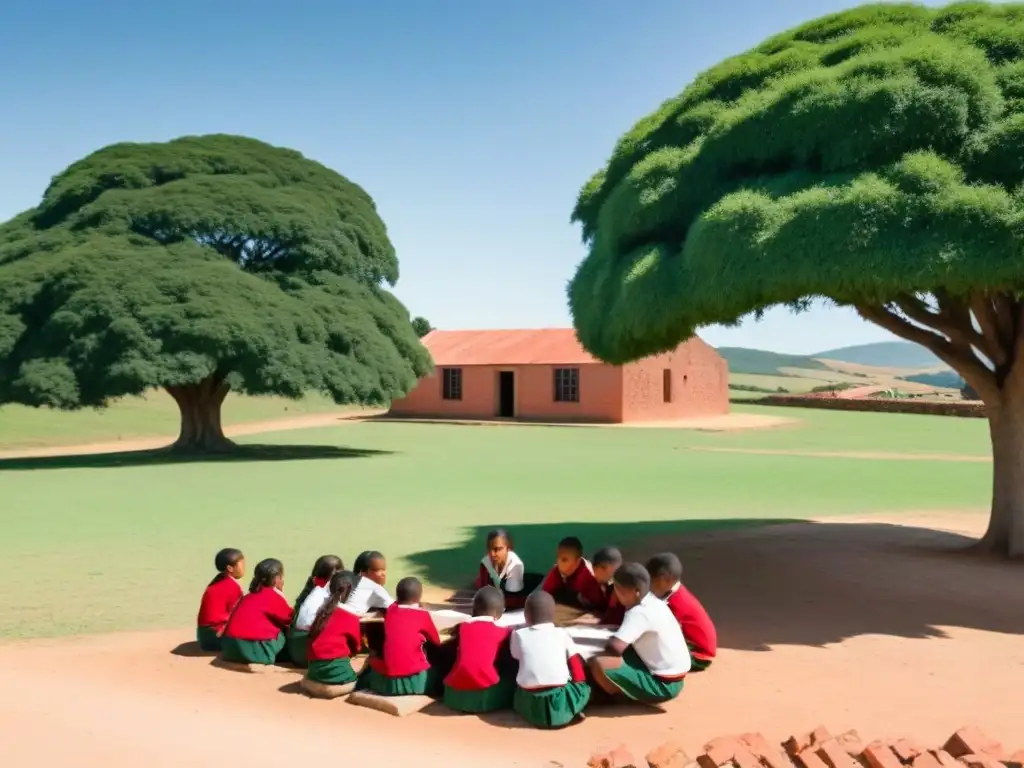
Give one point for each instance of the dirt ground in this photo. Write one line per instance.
(877, 624)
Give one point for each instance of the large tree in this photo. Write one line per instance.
(202, 265)
(874, 158)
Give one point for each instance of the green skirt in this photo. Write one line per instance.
(635, 680)
(331, 671)
(254, 651)
(422, 684)
(496, 697)
(298, 645)
(208, 638)
(554, 707)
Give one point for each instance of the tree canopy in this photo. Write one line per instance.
(201, 265)
(873, 157)
(422, 326)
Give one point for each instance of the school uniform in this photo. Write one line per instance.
(219, 600)
(698, 629)
(403, 669)
(305, 613)
(579, 588)
(483, 678)
(255, 633)
(614, 611)
(330, 651)
(550, 686)
(368, 595)
(657, 660)
(511, 580)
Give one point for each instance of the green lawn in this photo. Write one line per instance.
(135, 417)
(101, 544)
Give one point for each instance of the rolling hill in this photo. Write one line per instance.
(743, 360)
(885, 354)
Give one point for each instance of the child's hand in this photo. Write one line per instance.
(583, 601)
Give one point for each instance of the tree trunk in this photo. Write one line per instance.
(199, 406)
(1005, 534)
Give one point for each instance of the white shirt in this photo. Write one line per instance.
(543, 652)
(367, 596)
(307, 611)
(512, 573)
(655, 635)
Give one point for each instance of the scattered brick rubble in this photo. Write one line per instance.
(967, 748)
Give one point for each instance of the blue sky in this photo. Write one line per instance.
(473, 124)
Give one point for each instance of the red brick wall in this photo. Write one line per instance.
(699, 385)
(969, 409)
(600, 395)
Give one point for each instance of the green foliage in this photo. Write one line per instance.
(422, 326)
(152, 265)
(743, 360)
(857, 157)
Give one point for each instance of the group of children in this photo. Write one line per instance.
(661, 630)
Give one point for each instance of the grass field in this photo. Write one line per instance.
(95, 544)
(135, 417)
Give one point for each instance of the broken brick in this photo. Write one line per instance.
(769, 754)
(1016, 759)
(925, 760)
(668, 755)
(809, 759)
(980, 761)
(796, 744)
(852, 743)
(879, 755)
(744, 758)
(720, 751)
(834, 755)
(820, 735)
(906, 749)
(971, 741)
(945, 759)
(616, 758)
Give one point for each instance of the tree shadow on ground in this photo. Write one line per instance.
(795, 582)
(164, 456)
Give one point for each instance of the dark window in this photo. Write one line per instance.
(666, 385)
(567, 385)
(451, 383)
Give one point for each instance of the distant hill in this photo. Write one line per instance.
(950, 379)
(884, 354)
(743, 360)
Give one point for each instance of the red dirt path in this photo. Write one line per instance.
(856, 624)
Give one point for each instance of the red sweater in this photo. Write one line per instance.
(261, 615)
(219, 600)
(614, 613)
(406, 629)
(340, 638)
(580, 586)
(480, 643)
(697, 628)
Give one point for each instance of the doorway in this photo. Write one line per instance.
(506, 394)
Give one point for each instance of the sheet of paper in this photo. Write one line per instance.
(446, 618)
(513, 619)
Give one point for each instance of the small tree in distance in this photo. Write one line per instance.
(873, 157)
(422, 326)
(202, 266)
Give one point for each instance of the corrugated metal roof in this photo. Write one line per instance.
(543, 346)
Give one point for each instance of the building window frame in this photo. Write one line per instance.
(451, 383)
(566, 385)
(666, 385)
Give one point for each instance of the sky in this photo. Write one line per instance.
(472, 124)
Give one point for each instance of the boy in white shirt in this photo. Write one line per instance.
(647, 658)
(551, 690)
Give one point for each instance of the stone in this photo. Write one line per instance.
(322, 691)
(619, 757)
(397, 706)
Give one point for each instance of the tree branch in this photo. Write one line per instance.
(957, 357)
(952, 319)
(984, 312)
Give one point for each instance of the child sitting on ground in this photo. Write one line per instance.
(551, 690)
(502, 568)
(483, 677)
(255, 633)
(220, 598)
(334, 635)
(646, 659)
(369, 593)
(571, 581)
(698, 629)
(313, 595)
(403, 669)
(605, 563)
